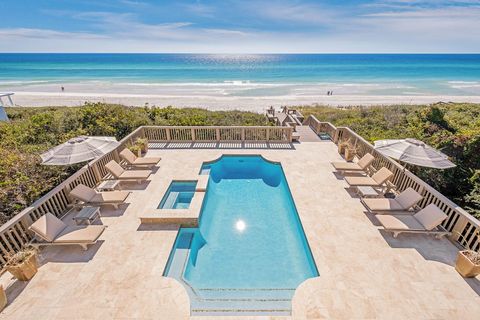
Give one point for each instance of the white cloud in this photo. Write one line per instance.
(25, 33)
(200, 9)
(311, 28)
(294, 12)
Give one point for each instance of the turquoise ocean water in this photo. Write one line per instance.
(455, 74)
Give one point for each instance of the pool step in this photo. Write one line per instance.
(228, 306)
(242, 301)
(242, 294)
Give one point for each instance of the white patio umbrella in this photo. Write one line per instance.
(79, 149)
(414, 152)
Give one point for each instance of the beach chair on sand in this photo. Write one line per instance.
(49, 230)
(404, 202)
(127, 175)
(91, 197)
(379, 179)
(425, 221)
(362, 165)
(134, 161)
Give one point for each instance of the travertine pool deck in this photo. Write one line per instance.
(364, 272)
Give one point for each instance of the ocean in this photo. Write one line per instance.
(252, 75)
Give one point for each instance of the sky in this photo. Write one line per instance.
(249, 26)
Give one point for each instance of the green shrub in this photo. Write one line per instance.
(32, 131)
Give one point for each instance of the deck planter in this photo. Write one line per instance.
(465, 266)
(342, 146)
(143, 144)
(349, 154)
(26, 269)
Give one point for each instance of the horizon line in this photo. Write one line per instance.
(252, 53)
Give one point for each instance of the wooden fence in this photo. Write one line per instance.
(14, 234)
(464, 227)
(217, 134)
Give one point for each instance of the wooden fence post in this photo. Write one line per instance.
(169, 138)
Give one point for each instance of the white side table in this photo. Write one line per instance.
(87, 215)
(367, 192)
(108, 185)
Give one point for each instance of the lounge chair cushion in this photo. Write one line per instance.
(399, 222)
(408, 198)
(80, 234)
(83, 193)
(114, 168)
(361, 181)
(147, 160)
(128, 155)
(110, 197)
(383, 204)
(48, 227)
(365, 161)
(346, 166)
(361, 165)
(382, 175)
(135, 174)
(430, 216)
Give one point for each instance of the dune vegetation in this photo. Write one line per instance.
(32, 131)
(453, 128)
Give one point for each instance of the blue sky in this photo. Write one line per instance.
(240, 26)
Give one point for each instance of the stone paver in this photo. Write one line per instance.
(364, 273)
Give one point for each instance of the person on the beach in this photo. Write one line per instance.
(63, 89)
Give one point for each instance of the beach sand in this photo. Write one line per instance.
(220, 96)
(257, 104)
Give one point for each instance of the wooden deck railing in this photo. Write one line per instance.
(463, 226)
(217, 134)
(14, 234)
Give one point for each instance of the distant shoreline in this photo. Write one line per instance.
(256, 104)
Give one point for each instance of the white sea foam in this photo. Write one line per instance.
(26, 82)
(232, 83)
(463, 82)
(466, 86)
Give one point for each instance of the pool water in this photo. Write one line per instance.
(179, 195)
(249, 252)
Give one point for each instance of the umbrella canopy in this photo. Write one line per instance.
(79, 149)
(414, 152)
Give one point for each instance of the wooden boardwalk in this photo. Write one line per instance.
(307, 134)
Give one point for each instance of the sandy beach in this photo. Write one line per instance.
(223, 96)
(257, 104)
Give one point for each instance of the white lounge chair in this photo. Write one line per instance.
(362, 165)
(50, 230)
(426, 221)
(90, 196)
(404, 202)
(379, 179)
(127, 175)
(135, 161)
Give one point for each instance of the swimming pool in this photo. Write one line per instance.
(249, 252)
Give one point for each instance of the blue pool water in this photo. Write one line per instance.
(179, 195)
(250, 248)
